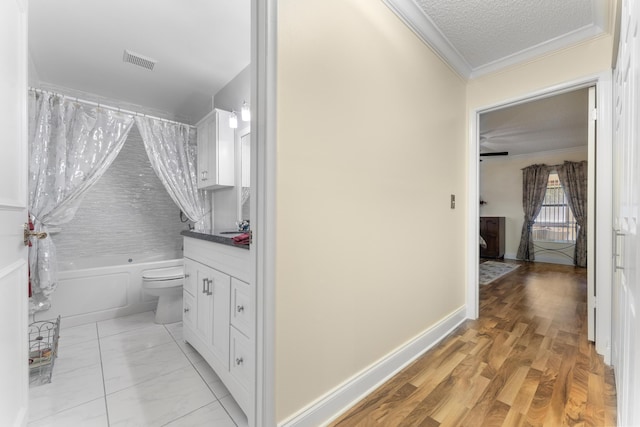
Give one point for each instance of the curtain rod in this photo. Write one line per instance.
(555, 166)
(108, 107)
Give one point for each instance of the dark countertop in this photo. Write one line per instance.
(216, 238)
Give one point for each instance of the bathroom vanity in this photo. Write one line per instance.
(219, 311)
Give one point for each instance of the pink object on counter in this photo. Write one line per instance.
(242, 239)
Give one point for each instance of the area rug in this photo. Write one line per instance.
(492, 270)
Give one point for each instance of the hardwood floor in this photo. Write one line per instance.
(525, 362)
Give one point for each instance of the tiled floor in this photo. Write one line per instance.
(131, 372)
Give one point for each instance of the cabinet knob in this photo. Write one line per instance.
(187, 275)
(186, 310)
(239, 361)
(240, 308)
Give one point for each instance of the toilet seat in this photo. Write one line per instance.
(166, 285)
(160, 274)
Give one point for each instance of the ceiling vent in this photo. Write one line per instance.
(139, 60)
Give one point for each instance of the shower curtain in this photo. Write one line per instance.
(173, 158)
(71, 145)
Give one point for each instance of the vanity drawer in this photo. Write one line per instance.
(242, 361)
(242, 309)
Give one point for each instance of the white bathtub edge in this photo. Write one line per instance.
(122, 295)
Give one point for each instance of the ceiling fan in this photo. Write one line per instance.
(487, 140)
(495, 153)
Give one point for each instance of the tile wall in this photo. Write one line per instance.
(127, 212)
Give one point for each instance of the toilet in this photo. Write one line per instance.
(166, 284)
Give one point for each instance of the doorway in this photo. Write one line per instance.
(600, 188)
(544, 131)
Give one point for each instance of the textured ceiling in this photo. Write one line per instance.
(476, 37)
(484, 31)
(481, 36)
(553, 123)
(200, 46)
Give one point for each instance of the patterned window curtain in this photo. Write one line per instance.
(71, 145)
(534, 188)
(573, 178)
(173, 158)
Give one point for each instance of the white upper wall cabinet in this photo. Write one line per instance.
(216, 151)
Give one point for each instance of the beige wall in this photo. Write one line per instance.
(501, 188)
(371, 143)
(372, 137)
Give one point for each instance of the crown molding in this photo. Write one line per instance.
(427, 31)
(555, 44)
(421, 24)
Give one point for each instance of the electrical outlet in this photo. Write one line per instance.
(453, 201)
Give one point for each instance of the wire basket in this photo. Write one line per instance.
(43, 350)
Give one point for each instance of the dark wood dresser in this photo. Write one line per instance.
(492, 230)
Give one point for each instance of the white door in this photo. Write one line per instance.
(13, 213)
(626, 290)
(591, 228)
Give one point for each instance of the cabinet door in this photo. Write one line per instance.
(188, 310)
(242, 307)
(203, 136)
(492, 236)
(190, 276)
(203, 303)
(225, 160)
(242, 361)
(216, 151)
(220, 289)
(492, 230)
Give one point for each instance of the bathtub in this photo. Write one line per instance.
(104, 287)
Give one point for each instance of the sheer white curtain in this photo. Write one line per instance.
(71, 145)
(173, 158)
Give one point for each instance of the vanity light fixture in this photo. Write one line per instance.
(245, 112)
(233, 120)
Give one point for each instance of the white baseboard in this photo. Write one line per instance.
(337, 401)
(97, 316)
(108, 314)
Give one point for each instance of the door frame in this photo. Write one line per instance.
(599, 271)
(263, 200)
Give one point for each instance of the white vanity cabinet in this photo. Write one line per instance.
(216, 151)
(210, 321)
(219, 314)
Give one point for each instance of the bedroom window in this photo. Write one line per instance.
(555, 222)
